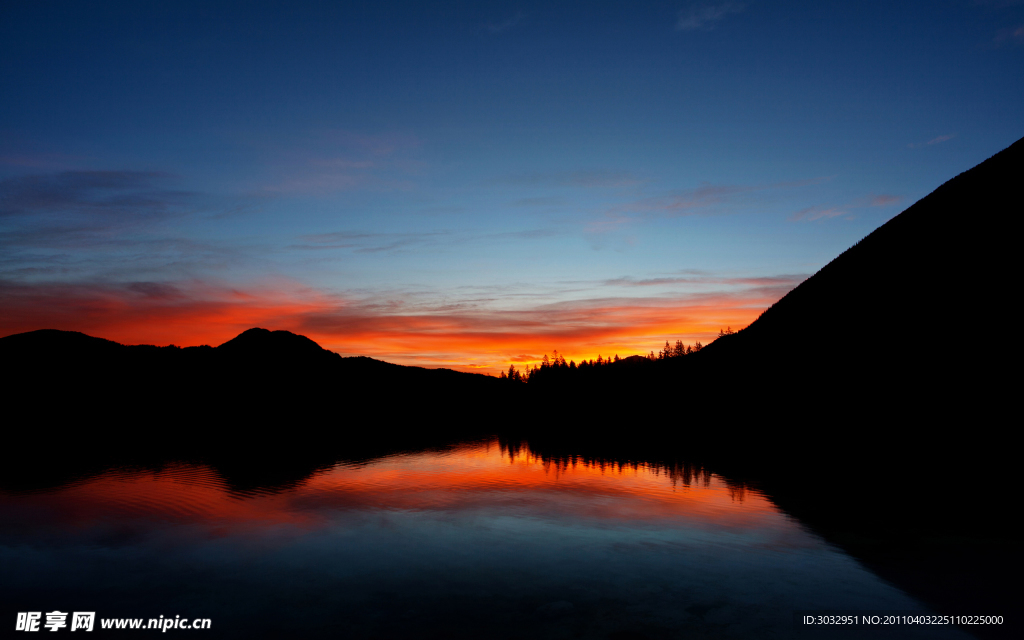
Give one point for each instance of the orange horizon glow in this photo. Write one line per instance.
(477, 340)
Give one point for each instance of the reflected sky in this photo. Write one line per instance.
(474, 541)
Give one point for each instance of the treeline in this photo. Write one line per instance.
(555, 363)
(556, 366)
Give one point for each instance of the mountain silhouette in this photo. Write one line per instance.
(260, 393)
(273, 344)
(906, 319)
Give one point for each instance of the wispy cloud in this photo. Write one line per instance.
(506, 24)
(704, 200)
(1011, 36)
(41, 161)
(370, 242)
(582, 179)
(181, 312)
(704, 17)
(122, 224)
(375, 145)
(884, 200)
(789, 281)
(540, 201)
(824, 212)
(318, 182)
(366, 242)
(935, 140)
(526, 234)
(329, 161)
(91, 195)
(818, 213)
(77, 211)
(156, 290)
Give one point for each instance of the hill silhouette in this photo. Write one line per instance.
(262, 343)
(908, 318)
(263, 391)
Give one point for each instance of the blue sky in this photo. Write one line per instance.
(472, 183)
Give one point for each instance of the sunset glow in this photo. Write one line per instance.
(472, 337)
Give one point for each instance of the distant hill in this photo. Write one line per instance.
(271, 385)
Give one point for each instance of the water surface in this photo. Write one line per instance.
(473, 541)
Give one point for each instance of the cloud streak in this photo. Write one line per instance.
(326, 162)
(104, 220)
(933, 141)
(704, 200)
(504, 25)
(789, 281)
(704, 17)
(583, 179)
(366, 242)
(826, 212)
(103, 195)
(818, 213)
(359, 242)
(884, 200)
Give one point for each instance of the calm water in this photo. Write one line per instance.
(471, 542)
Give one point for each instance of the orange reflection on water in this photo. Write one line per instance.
(178, 493)
(475, 478)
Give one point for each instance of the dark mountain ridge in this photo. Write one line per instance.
(904, 320)
(247, 392)
(273, 344)
(45, 348)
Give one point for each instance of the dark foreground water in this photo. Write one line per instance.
(470, 542)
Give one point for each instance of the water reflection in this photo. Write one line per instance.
(485, 540)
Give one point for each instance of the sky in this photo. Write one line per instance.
(472, 184)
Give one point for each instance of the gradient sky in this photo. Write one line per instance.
(471, 184)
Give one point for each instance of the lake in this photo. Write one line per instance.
(477, 540)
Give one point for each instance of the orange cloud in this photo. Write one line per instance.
(469, 338)
(150, 313)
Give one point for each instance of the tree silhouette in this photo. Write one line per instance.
(555, 371)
